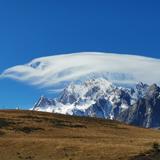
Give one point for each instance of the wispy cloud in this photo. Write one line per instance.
(56, 70)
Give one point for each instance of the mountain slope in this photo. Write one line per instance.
(48, 136)
(100, 98)
(146, 111)
(95, 98)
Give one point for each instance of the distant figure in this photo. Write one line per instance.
(17, 108)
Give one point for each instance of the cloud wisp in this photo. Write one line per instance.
(55, 70)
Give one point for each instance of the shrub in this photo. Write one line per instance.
(156, 146)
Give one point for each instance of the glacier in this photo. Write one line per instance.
(95, 98)
(100, 98)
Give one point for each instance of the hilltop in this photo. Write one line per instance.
(39, 135)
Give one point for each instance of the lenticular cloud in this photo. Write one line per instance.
(58, 69)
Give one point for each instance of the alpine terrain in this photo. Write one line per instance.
(138, 105)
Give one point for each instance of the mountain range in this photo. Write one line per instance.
(95, 84)
(138, 105)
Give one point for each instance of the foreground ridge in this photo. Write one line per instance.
(41, 135)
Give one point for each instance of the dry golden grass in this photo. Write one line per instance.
(32, 135)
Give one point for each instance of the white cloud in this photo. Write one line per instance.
(55, 70)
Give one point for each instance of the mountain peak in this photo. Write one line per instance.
(153, 90)
(43, 102)
(95, 96)
(154, 87)
(98, 81)
(99, 98)
(141, 85)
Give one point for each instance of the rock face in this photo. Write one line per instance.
(44, 104)
(99, 98)
(95, 98)
(146, 111)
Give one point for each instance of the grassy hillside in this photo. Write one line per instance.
(28, 135)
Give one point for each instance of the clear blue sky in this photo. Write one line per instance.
(34, 28)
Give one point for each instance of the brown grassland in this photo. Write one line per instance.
(28, 135)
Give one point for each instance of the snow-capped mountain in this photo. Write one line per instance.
(114, 98)
(146, 111)
(45, 104)
(95, 98)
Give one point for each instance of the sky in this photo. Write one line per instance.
(37, 28)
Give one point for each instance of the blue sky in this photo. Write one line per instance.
(35, 28)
